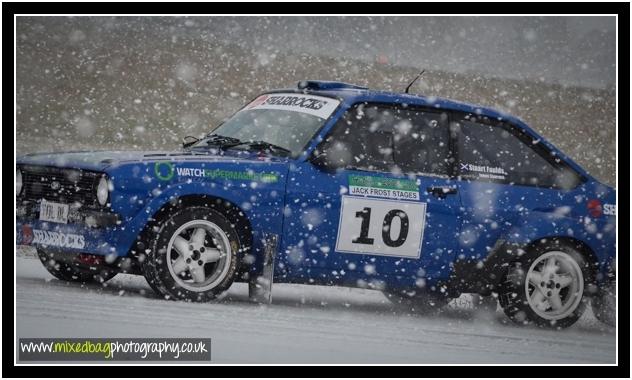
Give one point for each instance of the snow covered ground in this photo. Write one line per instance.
(304, 324)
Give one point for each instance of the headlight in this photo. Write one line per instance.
(18, 182)
(103, 192)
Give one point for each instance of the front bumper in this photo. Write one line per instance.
(71, 237)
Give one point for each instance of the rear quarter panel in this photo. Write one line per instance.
(574, 217)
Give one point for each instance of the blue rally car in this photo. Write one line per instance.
(331, 183)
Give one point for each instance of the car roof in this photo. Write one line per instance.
(352, 93)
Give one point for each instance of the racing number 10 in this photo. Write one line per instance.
(372, 217)
(365, 215)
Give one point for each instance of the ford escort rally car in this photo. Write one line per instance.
(330, 183)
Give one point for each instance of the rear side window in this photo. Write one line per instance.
(392, 139)
(497, 152)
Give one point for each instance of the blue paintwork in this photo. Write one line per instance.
(463, 226)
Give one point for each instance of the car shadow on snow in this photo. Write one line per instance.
(114, 287)
(312, 297)
(305, 297)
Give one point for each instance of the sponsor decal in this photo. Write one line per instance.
(190, 172)
(257, 102)
(381, 227)
(381, 187)
(228, 174)
(58, 239)
(484, 171)
(594, 208)
(314, 105)
(163, 170)
(610, 209)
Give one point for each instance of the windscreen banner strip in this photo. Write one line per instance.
(319, 106)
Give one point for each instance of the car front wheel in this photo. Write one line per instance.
(193, 256)
(547, 287)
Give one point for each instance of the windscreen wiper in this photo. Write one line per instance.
(266, 146)
(222, 141)
(214, 139)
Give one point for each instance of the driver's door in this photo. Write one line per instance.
(377, 201)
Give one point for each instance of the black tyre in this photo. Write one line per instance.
(193, 255)
(547, 286)
(68, 268)
(604, 304)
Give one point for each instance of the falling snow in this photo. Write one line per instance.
(143, 84)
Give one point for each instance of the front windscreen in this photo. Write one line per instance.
(287, 120)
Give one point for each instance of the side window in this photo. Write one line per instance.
(493, 152)
(421, 142)
(391, 139)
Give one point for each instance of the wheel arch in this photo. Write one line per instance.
(485, 276)
(235, 215)
(227, 208)
(583, 248)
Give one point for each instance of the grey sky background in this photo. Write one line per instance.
(576, 51)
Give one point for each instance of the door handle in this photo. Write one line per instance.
(441, 191)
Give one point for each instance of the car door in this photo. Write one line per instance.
(505, 176)
(376, 203)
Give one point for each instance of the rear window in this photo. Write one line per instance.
(498, 152)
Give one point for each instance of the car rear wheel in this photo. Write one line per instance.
(76, 268)
(194, 255)
(547, 287)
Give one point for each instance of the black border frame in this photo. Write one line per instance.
(622, 9)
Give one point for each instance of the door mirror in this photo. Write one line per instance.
(322, 161)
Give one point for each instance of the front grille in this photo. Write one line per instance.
(71, 186)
